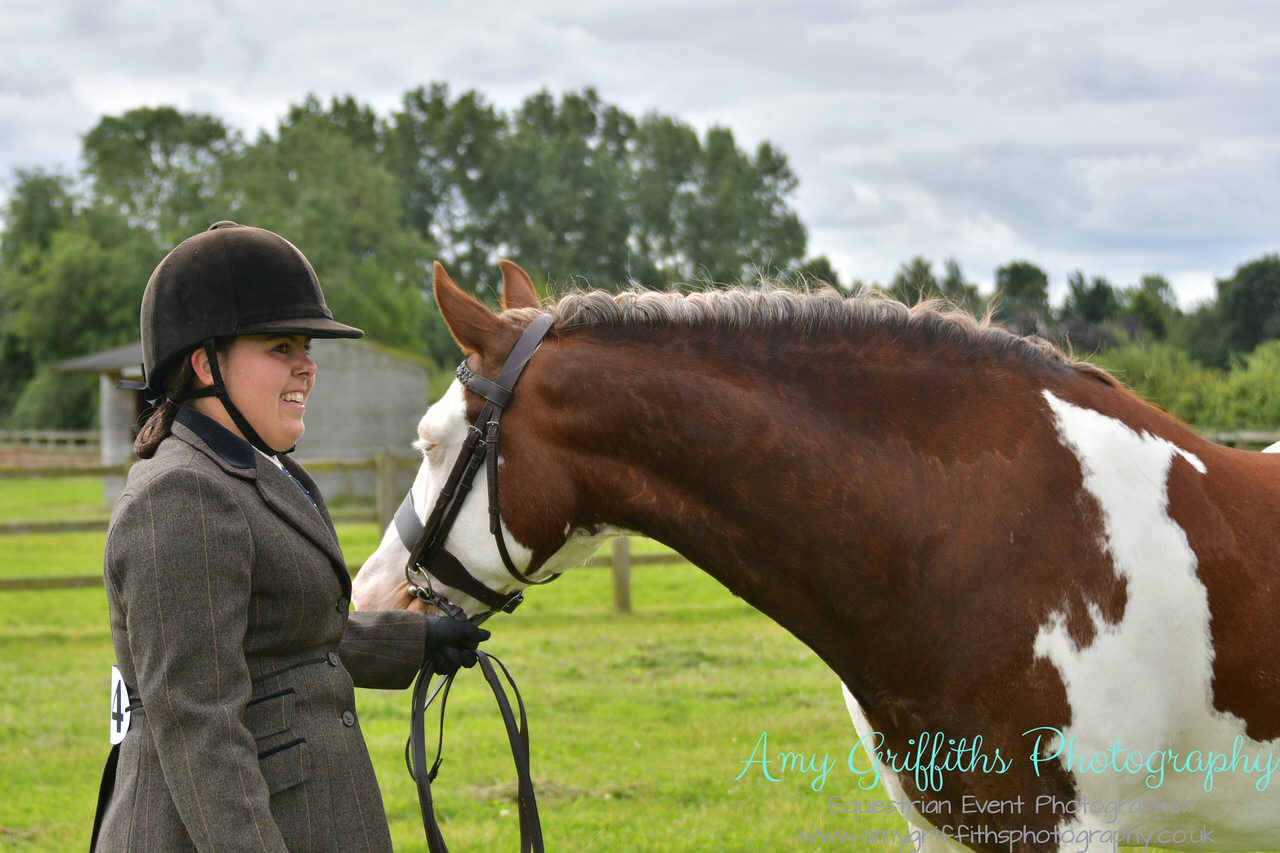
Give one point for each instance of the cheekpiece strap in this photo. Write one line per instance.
(427, 555)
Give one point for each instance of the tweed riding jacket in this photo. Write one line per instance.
(229, 600)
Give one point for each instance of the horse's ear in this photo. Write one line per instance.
(469, 320)
(517, 288)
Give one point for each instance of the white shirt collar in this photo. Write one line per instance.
(274, 459)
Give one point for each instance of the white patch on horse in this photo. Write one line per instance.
(442, 431)
(1145, 682)
(374, 586)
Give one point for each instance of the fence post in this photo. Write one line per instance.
(384, 465)
(621, 563)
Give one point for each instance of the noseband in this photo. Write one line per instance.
(428, 557)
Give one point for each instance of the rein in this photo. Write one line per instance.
(517, 736)
(429, 559)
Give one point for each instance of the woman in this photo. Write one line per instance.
(228, 592)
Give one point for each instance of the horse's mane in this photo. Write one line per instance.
(777, 307)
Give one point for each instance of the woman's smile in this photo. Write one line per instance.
(268, 378)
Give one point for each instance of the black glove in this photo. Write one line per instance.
(451, 643)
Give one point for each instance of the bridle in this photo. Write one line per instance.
(429, 559)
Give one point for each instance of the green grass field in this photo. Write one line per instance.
(640, 723)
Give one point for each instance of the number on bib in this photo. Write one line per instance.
(120, 712)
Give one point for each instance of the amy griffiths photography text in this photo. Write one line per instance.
(931, 754)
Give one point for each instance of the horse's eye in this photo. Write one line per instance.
(425, 446)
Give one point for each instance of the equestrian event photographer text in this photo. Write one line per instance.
(931, 754)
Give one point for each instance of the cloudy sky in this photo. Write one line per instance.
(1117, 138)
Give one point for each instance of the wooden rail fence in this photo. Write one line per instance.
(384, 466)
(387, 499)
(51, 440)
(619, 561)
(44, 448)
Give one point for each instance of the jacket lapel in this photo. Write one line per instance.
(305, 510)
(283, 494)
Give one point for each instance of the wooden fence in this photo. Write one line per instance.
(43, 448)
(51, 440)
(619, 561)
(387, 499)
(1255, 439)
(384, 467)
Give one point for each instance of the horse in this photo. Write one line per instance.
(1051, 605)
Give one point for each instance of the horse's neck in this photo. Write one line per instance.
(787, 477)
(813, 482)
(754, 437)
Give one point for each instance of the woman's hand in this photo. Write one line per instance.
(451, 643)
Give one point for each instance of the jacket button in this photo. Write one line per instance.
(348, 718)
(343, 605)
(334, 660)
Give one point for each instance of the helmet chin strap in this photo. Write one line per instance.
(219, 389)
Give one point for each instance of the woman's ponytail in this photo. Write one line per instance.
(159, 423)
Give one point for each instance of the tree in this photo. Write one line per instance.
(42, 203)
(666, 155)
(79, 296)
(1250, 302)
(1152, 305)
(569, 209)
(818, 271)
(1090, 306)
(448, 159)
(733, 223)
(71, 278)
(574, 188)
(1247, 396)
(914, 282)
(1022, 296)
(357, 121)
(1202, 334)
(159, 168)
(326, 190)
(1166, 376)
(956, 289)
(570, 186)
(1091, 301)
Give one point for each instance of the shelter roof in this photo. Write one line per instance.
(118, 359)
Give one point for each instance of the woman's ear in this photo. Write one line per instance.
(200, 364)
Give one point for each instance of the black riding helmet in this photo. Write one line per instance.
(228, 281)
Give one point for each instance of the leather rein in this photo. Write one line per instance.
(429, 559)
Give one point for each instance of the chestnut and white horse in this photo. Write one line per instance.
(1034, 586)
